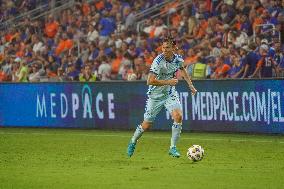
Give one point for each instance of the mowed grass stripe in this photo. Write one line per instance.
(147, 136)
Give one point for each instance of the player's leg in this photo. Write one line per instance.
(176, 130)
(153, 107)
(176, 127)
(140, 130)
(174, 107)
(137, 134)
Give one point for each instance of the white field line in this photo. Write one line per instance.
(145, 136)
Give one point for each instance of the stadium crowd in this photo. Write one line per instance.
(98, 41)
(10, 9)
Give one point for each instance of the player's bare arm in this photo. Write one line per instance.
(152, 80)
(188, 80)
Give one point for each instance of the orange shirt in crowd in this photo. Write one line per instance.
(221, 71)
(63, 45)
(3, 76)
(99, 5)
(202, 29)
(152, 32)
(51, 74)
(51, 29)
(190, 60)
(176, 18)
(86, 9)
(256, 22)
(9, 37)
(159, 49)
(1, 58)
(238, 26)
(172, 5)
(259, 10)
(20, 53)
(209, 5)
(148, 60)
(260, 62)
(116, 64)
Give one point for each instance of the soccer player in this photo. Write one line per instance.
(162, 92)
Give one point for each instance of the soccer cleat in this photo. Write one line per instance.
(131, 148)
(174, 152)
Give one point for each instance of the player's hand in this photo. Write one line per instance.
(193, 90)
(172, 82)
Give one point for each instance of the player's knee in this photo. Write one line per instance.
(177, 116)
(146, 125)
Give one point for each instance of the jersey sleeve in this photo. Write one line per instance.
(155, 67)
(180, 62)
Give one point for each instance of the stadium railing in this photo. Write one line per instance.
(36, 13)
(272, 30)
(151, 10)
(141, 23)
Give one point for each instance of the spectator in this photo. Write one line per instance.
(65, 44)
(215, 48)
(159, 26)
(87, 75)
(104, 70)
(241, 39)
(92, 34)
(34, 75)
(271, 51)
(21, 75)
(129, 18)
(237, 67)
(198, 70)
(38, 45)
(191, 57)
(251, 61)
(7, 66)
(125, 67)
(116, 62)
(85, 33)
(106, 26)
(279, 59)
(221, 69)
(3, 76)
(140, 68)
(72, 72)
(61, 76)
(51, 27)
(265, 65)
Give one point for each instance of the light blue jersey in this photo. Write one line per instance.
(163, 96)
(164, 70)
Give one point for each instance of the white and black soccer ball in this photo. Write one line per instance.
(195, 153)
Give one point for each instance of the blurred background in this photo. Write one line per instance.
(99, 40)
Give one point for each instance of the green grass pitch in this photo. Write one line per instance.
(94, 159)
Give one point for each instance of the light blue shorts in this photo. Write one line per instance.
(154, 106)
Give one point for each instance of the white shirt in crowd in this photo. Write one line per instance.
(104, 71)
(38, 47)
(92, 35)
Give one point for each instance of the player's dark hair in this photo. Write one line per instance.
(169, 39)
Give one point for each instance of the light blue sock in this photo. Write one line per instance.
(137, 134)
(176, 130)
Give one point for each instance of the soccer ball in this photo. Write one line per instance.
(195, 153)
